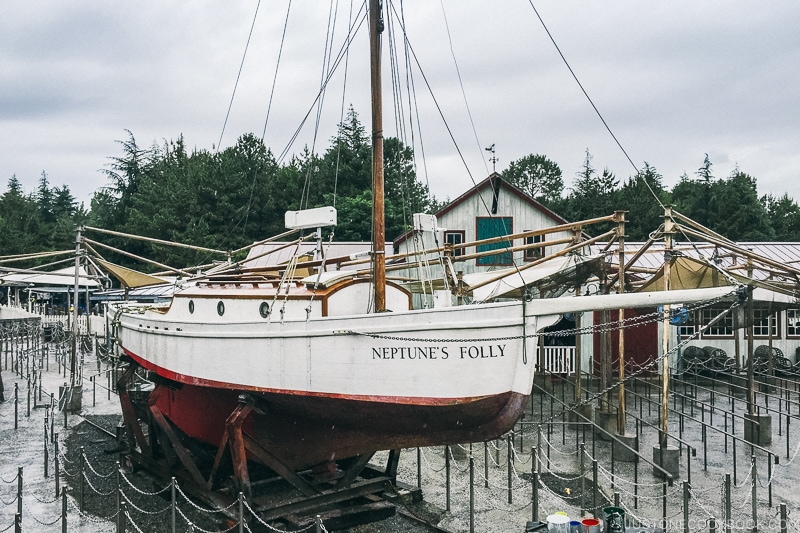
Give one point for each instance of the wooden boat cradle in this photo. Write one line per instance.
(343, 495)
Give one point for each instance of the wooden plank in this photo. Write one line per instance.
(183, 455)
(272, 461)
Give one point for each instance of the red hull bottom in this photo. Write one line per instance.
(304, 431)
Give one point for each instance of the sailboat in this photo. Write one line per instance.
(323, 370)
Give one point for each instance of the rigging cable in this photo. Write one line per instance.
(461, 85)
(341, 109)
(239, 74)
(591, 102)
(326, 62)
(277, 65)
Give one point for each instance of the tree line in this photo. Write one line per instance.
(230, 198)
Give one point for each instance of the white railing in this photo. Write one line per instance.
(559, 359)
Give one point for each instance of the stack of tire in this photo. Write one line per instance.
(761, 360)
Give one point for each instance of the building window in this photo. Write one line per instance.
(762, 323)
(487, 228)
(532, 254)
(721, 328)
(455, 237)
(793, 322)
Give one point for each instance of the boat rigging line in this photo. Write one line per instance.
(238, 75)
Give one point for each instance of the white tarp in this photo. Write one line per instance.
(61, 277)
(513, 279)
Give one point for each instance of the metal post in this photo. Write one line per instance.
(769, 478)
(712, 525)
(535, 489)
(241, 512)
(685, 507)
(508, 463)
(728, 524)
(471, 494)
(123, 518)
(486, 462)
(594, 484)
(80, 480)
(664, 505)
(56, 468)
(318, 524)
(46, 453)
(447, 477)
(119, 496)
(173, 504)
(19, 492)
(583, 477)
(754, 484)
(64, 512)
(705, 449)
(419, 467)
(784, 521)
(16, 406)
(52, 416)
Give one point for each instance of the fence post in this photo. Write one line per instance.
(728, 503)
(784, 522)
(419, 467)
(64, 512)
(81, 474)
(447, 476)
(119, 496)
(173, 504)
(769, 478)
(754, 484)
(241, 512)
(318, 524)
(594, 484)
(123, 517)
(46, 455)
(16, 406)
(486, 464)
(685, 507)
(712, 525)
(535, 506)
(52, 415)
(19, 492)
(583, 476)
(471, 494)
(508, 464)
(56, 467)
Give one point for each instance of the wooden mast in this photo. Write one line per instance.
(378, 226)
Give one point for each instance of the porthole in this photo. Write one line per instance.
(191, 307)
(263, 309)
(220, 308)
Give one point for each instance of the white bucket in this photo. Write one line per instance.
(558, 523)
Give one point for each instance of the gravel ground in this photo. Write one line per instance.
(560, 489)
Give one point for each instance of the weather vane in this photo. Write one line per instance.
(493, 159)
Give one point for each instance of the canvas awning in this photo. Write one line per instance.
(130, 278)
(689, 273)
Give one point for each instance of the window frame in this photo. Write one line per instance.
(462, 235)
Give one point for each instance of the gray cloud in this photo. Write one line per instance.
(674, 81)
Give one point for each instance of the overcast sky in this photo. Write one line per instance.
(674, 80)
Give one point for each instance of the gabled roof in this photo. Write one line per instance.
(493, 180)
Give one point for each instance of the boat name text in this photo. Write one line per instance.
(479, 351)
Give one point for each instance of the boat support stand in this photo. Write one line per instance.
(353, 496)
